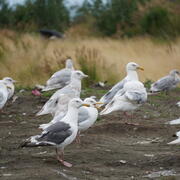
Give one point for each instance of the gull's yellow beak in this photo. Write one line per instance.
(140, 68)
(87, 105)
(97, 107)
(99, 103)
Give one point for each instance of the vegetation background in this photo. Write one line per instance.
(100, 36)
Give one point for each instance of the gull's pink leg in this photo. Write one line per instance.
(60, 158)
(78, 140)
(130, 116)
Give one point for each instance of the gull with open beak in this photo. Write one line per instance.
(131, 69)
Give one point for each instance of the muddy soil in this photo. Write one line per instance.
(111, 150)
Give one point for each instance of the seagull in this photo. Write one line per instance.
(9, 82)
(57, 104)
(131, 69)
(166, 83)
(3, 95)
(86, 116)
(129, 98)
(176, 141)
(60, 134)
(60, 78)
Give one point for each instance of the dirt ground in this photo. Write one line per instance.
(110, 150)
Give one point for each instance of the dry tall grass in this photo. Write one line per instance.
(30, 59)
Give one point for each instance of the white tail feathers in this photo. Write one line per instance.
(177, 141)
(174, 122)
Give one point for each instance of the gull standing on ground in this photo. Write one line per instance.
(167, 83)
(129, 98)
(9, 82)
(60, 134)
(57, 104)
(3, 95)
(60, 78)
(131, 69)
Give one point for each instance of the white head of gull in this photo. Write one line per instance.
(69, 64)
(87, 115)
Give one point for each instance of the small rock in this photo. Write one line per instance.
(22, 90)
(123, 161)
(149, 155)
(6, 175)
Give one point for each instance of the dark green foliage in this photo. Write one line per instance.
(112, 16)
(148, 83)
(156, 21)
(119, 18)
(5, 14)
(35, 14)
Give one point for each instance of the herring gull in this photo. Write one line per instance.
(59, 134)
(58, 102)
(129, 98)
(131, 69)
(166, 83)
(60, 78)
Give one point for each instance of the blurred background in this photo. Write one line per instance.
(101, 36)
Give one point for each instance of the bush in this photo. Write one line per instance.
(156, 21)
(89, 61)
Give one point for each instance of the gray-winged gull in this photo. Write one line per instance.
(58, 102)
(59, 134)
(166, 83)
(131, 69)
(60, 78)
(129, 98)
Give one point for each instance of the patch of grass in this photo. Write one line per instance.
(90, 62)
(48, 93)
(148, 83)
(92, 92)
